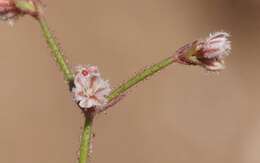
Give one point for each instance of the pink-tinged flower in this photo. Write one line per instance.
(86, 70)
(8, 10)
(12, 9)
(90, 89)
(208, 53)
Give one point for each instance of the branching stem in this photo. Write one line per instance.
(69, 77)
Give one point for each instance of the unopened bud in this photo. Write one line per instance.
(10, 10)
(208, 53)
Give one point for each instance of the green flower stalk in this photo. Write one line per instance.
(69, 77)
(85, 145)
(140, 77)
(56, 50)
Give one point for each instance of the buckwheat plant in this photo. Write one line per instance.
(90, 91)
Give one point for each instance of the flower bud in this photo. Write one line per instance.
(12, 9)
(8, 10)
(208, 53)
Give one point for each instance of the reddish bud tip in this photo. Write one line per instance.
(10, 10)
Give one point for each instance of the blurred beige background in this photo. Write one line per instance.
(181, 115)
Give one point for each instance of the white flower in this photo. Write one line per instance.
(208, 53)
(216, 45)
(90, 89)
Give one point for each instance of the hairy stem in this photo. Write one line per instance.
(85, 140)
(56, 50)
(69, 77)
(140, 77)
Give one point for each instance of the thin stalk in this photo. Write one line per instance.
(69, 77)
(56, 50)
(140, 77)
(86, 140)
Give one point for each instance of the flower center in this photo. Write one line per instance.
(89, 93)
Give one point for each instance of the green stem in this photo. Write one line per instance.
(140, 77)
(56, 50)
(85, 141)
(86, 135)
(68, 75)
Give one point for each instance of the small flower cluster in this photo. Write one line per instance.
(90, 89)
(10, 10)
(208, 53)
(7, 10)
